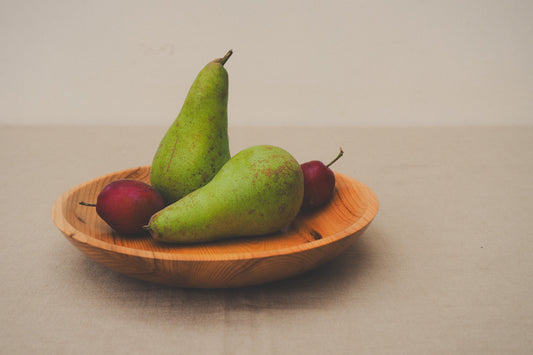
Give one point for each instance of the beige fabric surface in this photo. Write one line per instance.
(445, 268)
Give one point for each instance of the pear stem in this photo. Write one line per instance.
(223, 60)
(83, 203)
(336, 158)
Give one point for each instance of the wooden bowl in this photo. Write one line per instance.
(312, 239)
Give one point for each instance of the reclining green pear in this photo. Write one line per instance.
(258, 191)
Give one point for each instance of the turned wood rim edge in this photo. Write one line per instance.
(70, 232)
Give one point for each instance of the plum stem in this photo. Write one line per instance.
(83, 203)
(224, 59)
(336, 158)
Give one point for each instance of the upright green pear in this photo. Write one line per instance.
(258, 191)
(196, 146)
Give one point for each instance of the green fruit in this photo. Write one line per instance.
(196, 146)
(259, 191)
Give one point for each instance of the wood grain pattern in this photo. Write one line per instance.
(312, 239)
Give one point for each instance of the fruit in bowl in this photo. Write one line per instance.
(126, 205)
(319, 183)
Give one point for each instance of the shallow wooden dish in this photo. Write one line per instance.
(312, 239)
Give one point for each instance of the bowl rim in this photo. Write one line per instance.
(370, 211)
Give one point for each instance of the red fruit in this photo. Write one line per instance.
(127, 205)
(319, 183)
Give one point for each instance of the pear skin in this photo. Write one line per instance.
(196, 146)
(258, 191)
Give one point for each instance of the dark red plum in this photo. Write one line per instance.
(319, 183)
(126, 205)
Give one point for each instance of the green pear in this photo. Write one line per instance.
(258, 191)
(196, 146)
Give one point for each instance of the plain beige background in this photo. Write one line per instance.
(328, 63)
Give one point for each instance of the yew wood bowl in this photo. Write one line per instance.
(313, 238)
